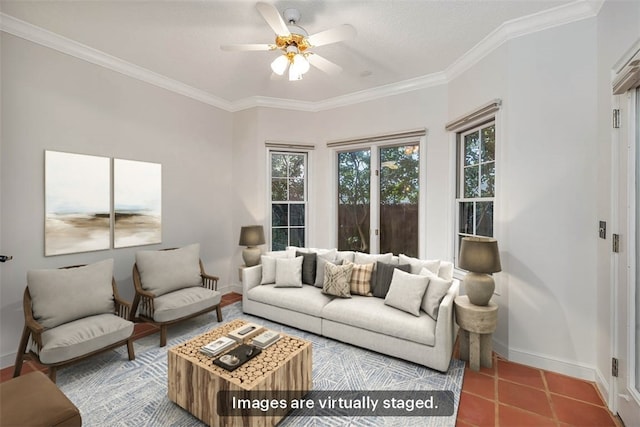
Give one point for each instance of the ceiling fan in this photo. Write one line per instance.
(295, 44)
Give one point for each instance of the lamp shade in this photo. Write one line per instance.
(479, 255)
(251, 235)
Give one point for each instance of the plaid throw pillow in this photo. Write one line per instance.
(360, 282)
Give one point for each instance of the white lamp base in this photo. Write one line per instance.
(479, 287)
(251, 256)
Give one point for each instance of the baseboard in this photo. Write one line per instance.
(552, 364)
(603, 388)
(7, 360)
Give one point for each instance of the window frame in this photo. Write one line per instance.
(460, 183)
(306, 187)
(374, 145)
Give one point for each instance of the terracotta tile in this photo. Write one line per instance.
(480, 384)
(6, 374)
(510, 416)
(520, 374)
(573, 387)
(475, 410)
(461, 423)
(523, 397)
(577, 413)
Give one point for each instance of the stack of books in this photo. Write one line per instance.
(265, 339)
(218, 346)
(245, 332)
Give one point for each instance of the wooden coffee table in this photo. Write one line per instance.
(194, 381)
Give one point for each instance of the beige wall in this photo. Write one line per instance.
(51, 101)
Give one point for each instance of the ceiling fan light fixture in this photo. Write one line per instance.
(294, 74)
(300, 63)
(279, 65)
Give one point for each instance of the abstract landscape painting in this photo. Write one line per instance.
(137, 201)
(77, 203)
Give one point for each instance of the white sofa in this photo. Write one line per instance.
(364, 321)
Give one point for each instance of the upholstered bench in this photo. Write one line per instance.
(34, 400)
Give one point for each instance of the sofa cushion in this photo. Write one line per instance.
(418, 264)
(360, 283)
(166, 271)
(309, 262)
(345, 256)
(307, 299)
(363, 258)
(406, 291)
(289, 272)
(269, 265)
(336, 280)
(373, 315)
(83, 336)
(446, 270)
(63, 295)
(184, 302)
(384, 273)
(437, 289)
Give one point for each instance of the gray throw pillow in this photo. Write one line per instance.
(63, 295)
(382, 280)
(308, 267)
(321, 260)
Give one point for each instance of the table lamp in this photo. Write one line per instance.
(251, 236)
(480, 257)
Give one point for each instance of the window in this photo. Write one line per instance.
(385, 196)
(476, 170)
(288, 199)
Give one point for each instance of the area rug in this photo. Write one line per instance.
(110, 390)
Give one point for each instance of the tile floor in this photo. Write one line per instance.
(508, 394)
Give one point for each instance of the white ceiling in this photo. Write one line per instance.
(396, 40)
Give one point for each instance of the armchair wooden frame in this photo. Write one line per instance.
(142, 308)
(33, 329)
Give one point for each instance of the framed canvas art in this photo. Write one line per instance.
(137, 203)
(77, 203)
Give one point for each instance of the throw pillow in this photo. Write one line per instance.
(384, 273)
(269, 266)
(360, 283)
(406, 291)
(308, 266)
(321, 260)
(289, 272)
(336, 280)
(418, 264)
(62, 295)
(362, 258)
(437, 289)
(446, 270)
(162, 272)
(345, 256)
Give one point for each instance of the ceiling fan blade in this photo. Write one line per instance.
(324, 64)
(332, 35)
(273, 18)
(247, 47)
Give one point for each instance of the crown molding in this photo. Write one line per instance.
(557, 16)
(49, 39)
(561, 15)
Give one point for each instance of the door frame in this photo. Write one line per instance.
(624, 398)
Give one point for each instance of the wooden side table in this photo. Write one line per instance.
(477, 324)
